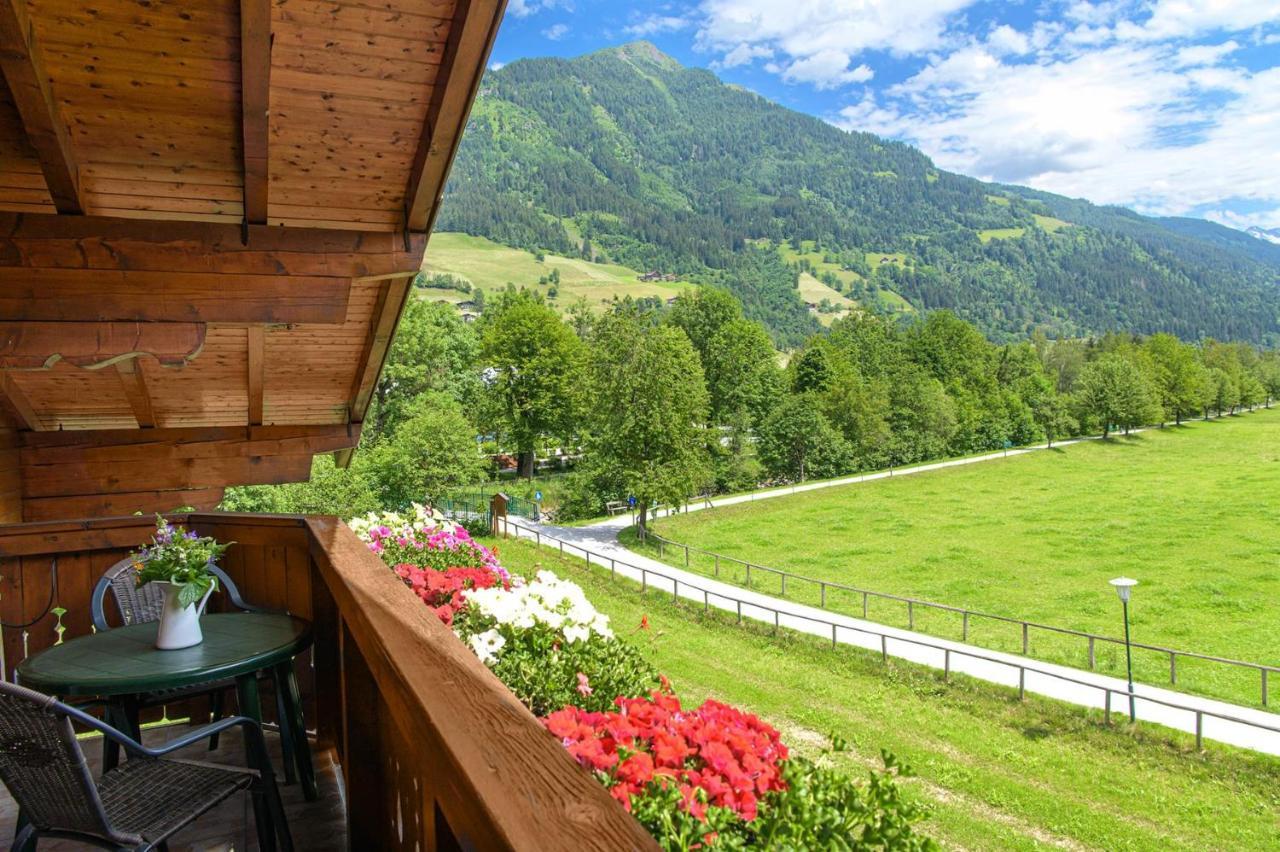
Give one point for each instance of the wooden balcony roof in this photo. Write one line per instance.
(210, 213)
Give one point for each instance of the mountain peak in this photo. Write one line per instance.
(642, 51)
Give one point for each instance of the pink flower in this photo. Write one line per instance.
(584, 686)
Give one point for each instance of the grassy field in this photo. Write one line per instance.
(1190, 512)
(995, 772)
(489, 266)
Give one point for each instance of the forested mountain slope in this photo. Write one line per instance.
(627, 154)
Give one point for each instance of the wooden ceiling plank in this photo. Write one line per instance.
(257, 358)
(393, 297)
(255, 94)
(134, 381)
(471, 35)
(88, 295)
(22, 64)
(119, 505)
(93, 345)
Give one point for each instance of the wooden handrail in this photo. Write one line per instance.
(497, 778)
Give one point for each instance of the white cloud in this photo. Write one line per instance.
(1005, 40)
(1205, 54)
(1120, 125)
(826, 69)
(655, 24)
(555, 32)
(497, 66)
(525, 8)
(819, 40)
(1180, 18)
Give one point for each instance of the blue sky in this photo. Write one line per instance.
(1171, 107)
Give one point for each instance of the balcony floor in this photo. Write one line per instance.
(317, 826)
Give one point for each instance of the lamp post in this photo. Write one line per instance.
(1124, 586)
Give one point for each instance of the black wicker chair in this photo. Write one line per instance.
(142, 604)
(135, 806)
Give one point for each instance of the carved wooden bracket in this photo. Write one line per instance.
(94, 345)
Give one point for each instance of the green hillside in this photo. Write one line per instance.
(628, 157)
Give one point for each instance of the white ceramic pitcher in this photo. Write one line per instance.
(179, 625)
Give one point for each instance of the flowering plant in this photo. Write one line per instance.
(446, 592)
(425, 538)
(716, 756)
(179, 557)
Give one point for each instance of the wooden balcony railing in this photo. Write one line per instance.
(435, 752)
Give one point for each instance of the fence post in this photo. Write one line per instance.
(706, 602)
(1107, 714)
(775, 622)
(675, 590)
(1093, 660)
(613, 568)
(884, 648)
(911, 616)
(946, 664)
(662, 549)
(1199, 730)
(864, 604)
(1022, 683)
(739, 611)
(1025, 640)
(562, 547)
(644, 581)
(833, 634)
(965, 629)
(1264, 687)
(784, 585)
(823, 587)
(686, 556)
(748, 564)
(717, 564)
(537, 538)
(1173, 668)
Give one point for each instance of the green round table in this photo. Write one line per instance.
(124, 662)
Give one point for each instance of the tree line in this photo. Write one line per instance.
(666, 402)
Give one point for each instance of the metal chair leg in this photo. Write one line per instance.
(217, 707)
(24, 840)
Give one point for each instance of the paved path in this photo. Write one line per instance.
(1064, 683)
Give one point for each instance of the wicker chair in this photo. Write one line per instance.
(142, 604)
(135, 806)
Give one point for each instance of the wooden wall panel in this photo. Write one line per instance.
(10, 477)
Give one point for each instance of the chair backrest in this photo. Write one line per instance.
(141, 604)
(43, 767)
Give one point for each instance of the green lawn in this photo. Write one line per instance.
(997, 773)
(1190, 512)
(489, 266)
(1000, 234)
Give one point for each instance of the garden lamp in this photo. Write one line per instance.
(1124, 587)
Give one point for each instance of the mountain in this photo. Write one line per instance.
(1270, 235)
(626, 155)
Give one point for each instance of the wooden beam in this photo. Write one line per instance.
(92, 345)
(19, 407)
(133, 445)
(255, 94)
(10, 477)
(257, 358)
(134, 381)
(119, 505)
(112, 242)
(471, 35)
(93, 295)
(392, 300)
(22, 64)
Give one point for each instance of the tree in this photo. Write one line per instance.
(432, 452)
(1052, 413)
(798, 442)
(330, 491)
(434, 350)
(1114, 391)
(701, 313)
(536, 362)
(649, 410)
(1179, 376)
(742, 372)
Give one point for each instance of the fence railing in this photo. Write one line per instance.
(743, 609)
(825, 587)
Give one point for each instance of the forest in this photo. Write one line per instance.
(624, 155)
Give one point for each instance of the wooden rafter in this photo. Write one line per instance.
(257, 358)
(386, 318)
(18, 407)
(255, 89)
(471, 35)
(22, 64)
(133, 379)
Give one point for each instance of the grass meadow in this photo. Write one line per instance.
(1191, 512)
(995, 772)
